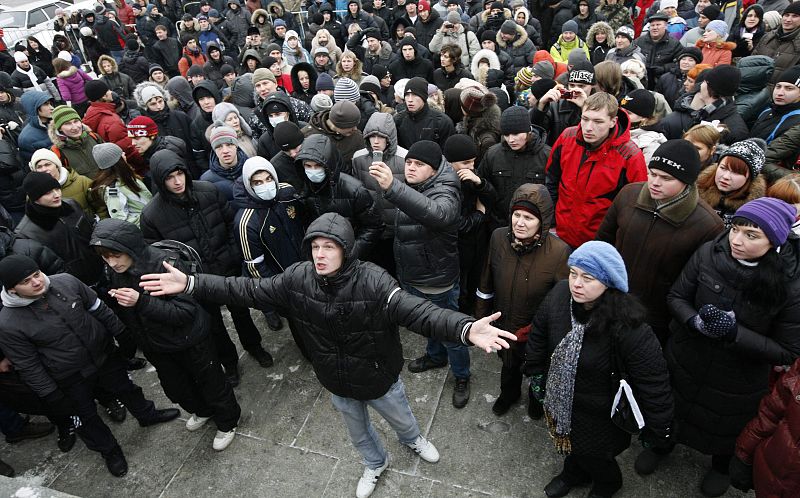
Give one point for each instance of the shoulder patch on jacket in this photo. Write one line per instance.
(570, 132)
(628, 149)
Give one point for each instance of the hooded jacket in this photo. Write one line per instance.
(426, 228)
(224, 178)
(260, 121)
(76, 155)
(159, 324)
(201, 147)
(201, 218)
(34, 134)
(102, 117)
(347, 146)
(426, 124)
(753, 96)
(419, 66)
(70, 85)
(599, 51)
(507, 170)
(171, 122)
(181, 90)
(515, 282)
(118, 82)
(394, 156)
(299, 93)
(520, 49)
(269, 232)
(338, 193)
(583, 182)
(348, 320)
(718, 384)
(656, 242)
(66, 332)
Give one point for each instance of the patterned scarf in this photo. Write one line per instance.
(561, 385)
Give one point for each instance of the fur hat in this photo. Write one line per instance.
(475, 100)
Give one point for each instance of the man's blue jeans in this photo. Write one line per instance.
(440, 351)
(393, 407)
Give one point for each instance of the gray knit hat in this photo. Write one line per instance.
(321, 102)
(106, 155)
(346, 89)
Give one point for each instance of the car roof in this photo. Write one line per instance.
(28, 6)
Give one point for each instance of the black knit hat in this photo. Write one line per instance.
(582, 72)
(287, 136)
(724, 80)
(36, 184)
(417, 86)
(95, 89)
(678, 158)
(515, 119)
(712, 12)
(542, 86)
(379, 71)
(692, 52)
(132, 44)
(427, 152)
(16, 268)
(460, 147)
(639, 102)
(793, 8)
(790, 75)
(489, 35)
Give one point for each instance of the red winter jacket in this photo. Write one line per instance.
(771, 441)
(103, 119)
(583, 182)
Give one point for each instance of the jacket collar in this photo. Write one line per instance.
(676, 210)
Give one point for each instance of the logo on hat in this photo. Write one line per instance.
(668, 162)
(581, 76)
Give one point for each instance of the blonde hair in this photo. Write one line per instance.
(608, 76)
(786, 189)
(602, 100)
(705, 134)
(635, 66)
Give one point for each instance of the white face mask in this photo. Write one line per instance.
(276, 120)
(266, 191)
(315, 175)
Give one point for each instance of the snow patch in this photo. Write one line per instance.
(294, 368)
(421, 399)
(275, 376)
(489, 398)
(27, 492)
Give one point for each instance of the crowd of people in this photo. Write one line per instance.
(598, 192)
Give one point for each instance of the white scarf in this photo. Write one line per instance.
(16, 301)
(30, 74)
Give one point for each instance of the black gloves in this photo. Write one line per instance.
(127, 346)
(58, 405)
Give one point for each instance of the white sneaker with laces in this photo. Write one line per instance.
(194, 423)
(223, 439)
(366, 485)
(425, 449)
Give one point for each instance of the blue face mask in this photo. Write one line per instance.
(266, 191)
(315, 175)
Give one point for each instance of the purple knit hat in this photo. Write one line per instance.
(774, 216)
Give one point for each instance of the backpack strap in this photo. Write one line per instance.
(786, 116)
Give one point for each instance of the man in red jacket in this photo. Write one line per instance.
(103, 119)
(588, 165)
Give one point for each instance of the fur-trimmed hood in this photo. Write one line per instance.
(715, 199)
(103, 58)
(331, 45)
(490, 55)
(599, 26)
(725, 45)
(256, 13)
(58, 140)
(71, 71)
(522, 37)
(507, 14)
(137, 92)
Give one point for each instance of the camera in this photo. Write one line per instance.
(567, 94)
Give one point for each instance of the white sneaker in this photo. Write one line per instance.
(223, 439)
(366, 485)
(425, 449)
(196, 422)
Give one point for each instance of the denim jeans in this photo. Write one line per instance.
(440, 351)
(393, 407)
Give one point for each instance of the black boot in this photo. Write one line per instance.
(31, 430)
(262, 357)
(66, 434)
(504, 403)
(116, 463)
(116, 410)
(6, 469)
(160, 416)
(273, 320)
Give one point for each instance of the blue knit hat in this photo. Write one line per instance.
(602, 261)
(774, 216)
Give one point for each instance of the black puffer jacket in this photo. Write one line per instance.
(348, 321)
(11, 243)
(338, 193)
(135, 65)
(12, 173)
(593, 433)
(718, 384)
(426, 228)
(160, 324)
(670, 84)
(684, 117)
(59, 335)
(68, 238)
(658, 55)
(507, 169)
(201, 218)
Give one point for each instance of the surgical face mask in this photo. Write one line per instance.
(315, 175)
(276, 120)
(266, 191)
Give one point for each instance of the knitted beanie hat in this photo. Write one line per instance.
(262, 74)
(417, 86)
(37, 183)
(790, 75)
(508, 27)
(106, 154)
(677, 158)
(150, 91)
(602, 261)
(719, 27)
(542, 86)
(544, 69)
(724, 80)
(223, 135)
(369, 84)
(712, 12)
(515, 119)
(774, 216)
(625, 31)
(321, 102)
(524, 77)
(287, 135)
(95, 89)
(344, 114)
(142, 126)
(693, 52)
(460, 147)
(324, 82)
(346, 89)
(427, 152)
(751, 151)
(641, 102)
(569, 26)
(582, 72)
(44, 154)
(15, 268)
(62, 114)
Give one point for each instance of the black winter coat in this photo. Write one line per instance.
(670, 84)
(12, 173)
(767, 122)
(593, 433)
(135, 65)
(658, 56)
(556, 117)
(68, 238)
(159, 324)
(684, 117)
(427, 124)
(339, 193)
(11, 243)
(167, 53)
(66, 332)
(349, 321)
(445, 80)
(719, 384)
(201, 219)
(426, 228)
(173, 124)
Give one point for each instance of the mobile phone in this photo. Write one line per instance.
(377, 156)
